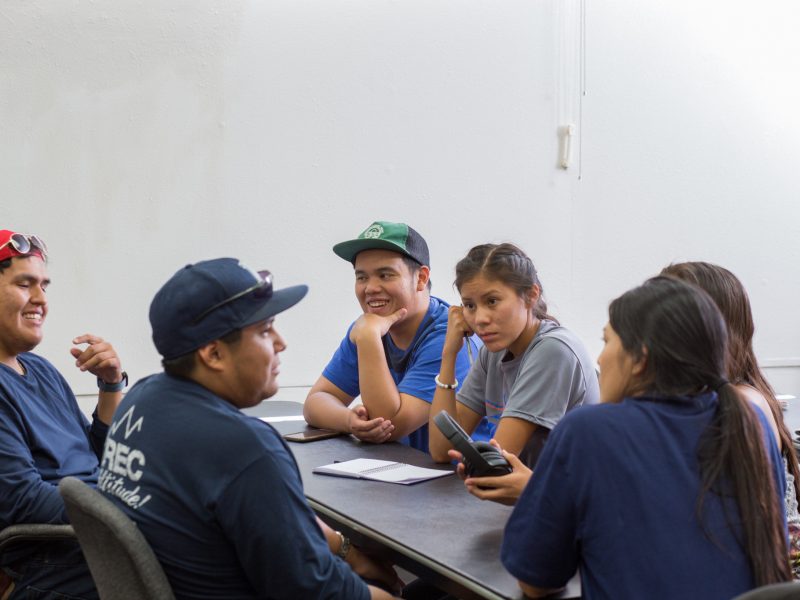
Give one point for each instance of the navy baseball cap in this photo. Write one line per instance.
(207, 300)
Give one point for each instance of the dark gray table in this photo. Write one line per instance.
(433, 529)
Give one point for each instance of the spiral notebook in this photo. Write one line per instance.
(380, 470)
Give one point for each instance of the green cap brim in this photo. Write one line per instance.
(348, 250)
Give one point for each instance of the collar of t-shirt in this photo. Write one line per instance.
(398, 358)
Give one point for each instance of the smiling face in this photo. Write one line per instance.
(498, 314)
(253, 364)
(23, 307)
(385, 284)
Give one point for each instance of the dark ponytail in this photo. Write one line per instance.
(682, 333)
(732, 453)
(507, 264)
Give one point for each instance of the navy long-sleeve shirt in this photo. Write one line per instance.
(43, 438)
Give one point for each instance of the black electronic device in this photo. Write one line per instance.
(481, 459)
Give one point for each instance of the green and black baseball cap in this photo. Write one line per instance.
(384, 235)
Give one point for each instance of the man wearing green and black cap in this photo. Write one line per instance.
(392, 352)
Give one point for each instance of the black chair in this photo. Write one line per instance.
(33, 532)
(121, 561)
(775, 591)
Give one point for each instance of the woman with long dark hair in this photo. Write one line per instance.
(743, 372)
(671, 488)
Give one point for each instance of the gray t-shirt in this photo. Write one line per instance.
(552, 376)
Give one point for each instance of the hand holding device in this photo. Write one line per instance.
(480, 459)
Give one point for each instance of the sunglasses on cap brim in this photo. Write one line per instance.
(25, 243)
(261, 290)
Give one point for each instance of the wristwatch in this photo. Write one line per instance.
(344, 547)
(113, 387)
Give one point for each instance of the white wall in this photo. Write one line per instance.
(138, 136)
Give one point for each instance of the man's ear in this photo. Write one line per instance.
(212, 355)
(423, 275)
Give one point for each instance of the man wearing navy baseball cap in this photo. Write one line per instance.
(216, 492)
(44, 436)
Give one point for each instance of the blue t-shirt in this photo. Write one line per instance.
(615, 493)
(413, 369)
(44, 437)
(218, 496)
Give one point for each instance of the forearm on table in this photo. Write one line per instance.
(378, 390)
(323, 409)
(412, 415)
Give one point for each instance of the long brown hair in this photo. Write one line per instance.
(740, 365)
(680, 330)
(507, 264)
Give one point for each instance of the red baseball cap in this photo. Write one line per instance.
(21, 244)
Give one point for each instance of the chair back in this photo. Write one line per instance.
(121, 561)
(34, 532)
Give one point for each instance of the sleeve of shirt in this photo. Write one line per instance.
(418, 380)
(279, 544)
(548, 378)
(24, 496)
(342, 369)
(98, 431)
(540, 543)
(473, 389)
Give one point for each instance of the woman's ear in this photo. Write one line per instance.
(640, 364)
(533, 296)
(637, 369)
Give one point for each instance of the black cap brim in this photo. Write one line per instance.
(279, 302)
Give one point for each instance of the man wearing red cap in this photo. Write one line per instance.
(43, 434)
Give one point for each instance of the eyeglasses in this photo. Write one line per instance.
(24, 243)
(261, 290)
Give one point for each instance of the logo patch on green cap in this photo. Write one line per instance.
(373, 232)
